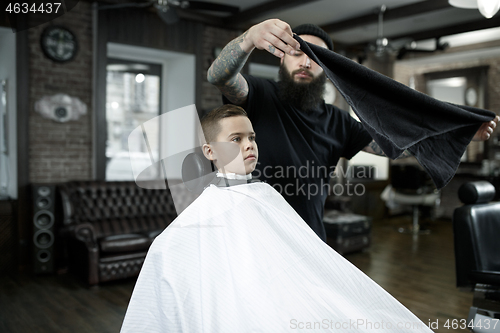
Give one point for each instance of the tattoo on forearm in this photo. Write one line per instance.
(235, 89)
(405, 154)
(225, 71)
(376, 148)
(229, 62)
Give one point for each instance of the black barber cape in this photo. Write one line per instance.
(398, 117)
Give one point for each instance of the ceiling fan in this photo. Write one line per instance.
(382, 46)
(167, 9)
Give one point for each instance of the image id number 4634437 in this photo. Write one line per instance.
(485, 323)
(25, 7)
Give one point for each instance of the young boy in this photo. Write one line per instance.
(240, 259)
(225, 128)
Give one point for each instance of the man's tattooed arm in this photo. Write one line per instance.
(374, 148)
(225, 71)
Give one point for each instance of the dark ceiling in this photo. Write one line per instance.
(353, 23)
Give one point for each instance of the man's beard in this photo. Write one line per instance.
(304, 95)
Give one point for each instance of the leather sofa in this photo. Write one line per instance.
(109, 226)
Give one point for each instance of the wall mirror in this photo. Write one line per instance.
(466, 86)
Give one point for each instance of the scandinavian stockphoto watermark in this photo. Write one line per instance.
(334, 180)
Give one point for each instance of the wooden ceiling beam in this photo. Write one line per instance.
(481, 24)
(391, 14)
(494, 22)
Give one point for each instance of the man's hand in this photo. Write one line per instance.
(274, 36)
(484, 132)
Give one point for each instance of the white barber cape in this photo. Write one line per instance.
(240, 259)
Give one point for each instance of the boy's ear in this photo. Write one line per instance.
(208, 152)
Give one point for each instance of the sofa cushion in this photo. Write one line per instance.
(124, 243)
(123, 258)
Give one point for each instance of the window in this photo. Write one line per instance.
(132, 98)
(125, 105)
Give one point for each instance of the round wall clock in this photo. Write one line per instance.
(59, 43)
(471, 96)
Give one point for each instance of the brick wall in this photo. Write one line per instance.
(62, 151)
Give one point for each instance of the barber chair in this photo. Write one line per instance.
(476, 229)
(411, 186)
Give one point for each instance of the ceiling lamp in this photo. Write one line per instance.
(488, 8)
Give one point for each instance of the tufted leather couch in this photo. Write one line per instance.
(109, 226)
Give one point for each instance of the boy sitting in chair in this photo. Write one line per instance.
(240, 259)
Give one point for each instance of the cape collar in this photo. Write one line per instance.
(232, 179)
(234, 176)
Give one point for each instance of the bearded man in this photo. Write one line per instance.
(302, 137)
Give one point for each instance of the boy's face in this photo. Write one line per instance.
(238, 131)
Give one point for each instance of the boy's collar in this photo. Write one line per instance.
(232, 179)
(234, 176)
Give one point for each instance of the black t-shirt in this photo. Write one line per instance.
(299, 150)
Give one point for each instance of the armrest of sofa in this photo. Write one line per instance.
(86, 246)
(85, 232)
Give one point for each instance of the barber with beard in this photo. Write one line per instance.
(302, 137)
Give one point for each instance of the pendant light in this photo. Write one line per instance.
(488, 8)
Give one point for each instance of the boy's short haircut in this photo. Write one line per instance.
(210, 122)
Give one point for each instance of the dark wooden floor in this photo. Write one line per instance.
(418, 271)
